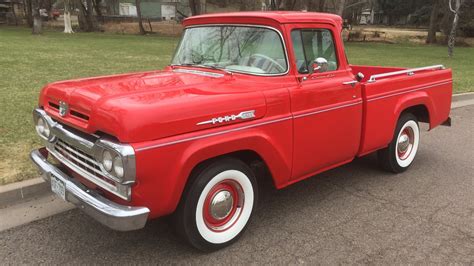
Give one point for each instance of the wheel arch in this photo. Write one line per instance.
(269, 160)
(250, 157)
(419, 104)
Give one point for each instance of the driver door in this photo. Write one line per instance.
(326, 106)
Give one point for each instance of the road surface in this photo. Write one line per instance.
(352, 214)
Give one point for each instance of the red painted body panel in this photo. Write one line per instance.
(302, 127)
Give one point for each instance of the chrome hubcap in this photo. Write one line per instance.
(403, 143)
(221, 204)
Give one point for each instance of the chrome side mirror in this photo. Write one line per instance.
(320, 65)
(360, 76)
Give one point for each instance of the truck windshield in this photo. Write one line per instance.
(247, 49)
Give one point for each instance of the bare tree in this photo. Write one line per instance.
(67, 17)
(28, 8)
(322, 6)
(452, 34)
(195, 6)
(139, 15)
(247, 5)
(431, 38)
(87, 20)
(37, 23)
(340, 4)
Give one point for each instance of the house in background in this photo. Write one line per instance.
(151, 9)
(11, 12)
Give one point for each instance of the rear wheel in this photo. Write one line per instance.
(217, 205)
(401, 152)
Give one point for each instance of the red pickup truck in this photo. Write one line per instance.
(245, 93)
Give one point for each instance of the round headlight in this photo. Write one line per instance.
(46, 131)
(118, 167)
(40, 126)
(107, 161)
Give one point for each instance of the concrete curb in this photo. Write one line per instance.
(21, 191)
(462, 99)
(463, 96)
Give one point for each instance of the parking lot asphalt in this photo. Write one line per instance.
(353, 214)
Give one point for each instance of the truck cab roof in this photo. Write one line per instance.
(279, 17)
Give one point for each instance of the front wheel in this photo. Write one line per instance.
(401, 152)
(217, 205)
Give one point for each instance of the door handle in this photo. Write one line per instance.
(352, 83)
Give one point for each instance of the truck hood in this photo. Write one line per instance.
(151, 105)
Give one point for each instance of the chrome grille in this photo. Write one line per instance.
(79, 159)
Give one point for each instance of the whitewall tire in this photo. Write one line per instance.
(217, 204)
(401, 151)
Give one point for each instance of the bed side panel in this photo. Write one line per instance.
(386, 99)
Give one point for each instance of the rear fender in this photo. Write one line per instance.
(413, 99)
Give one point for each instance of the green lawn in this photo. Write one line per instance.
(28, 62)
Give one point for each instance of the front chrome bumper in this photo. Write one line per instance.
(111, 214)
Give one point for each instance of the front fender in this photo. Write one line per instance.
(163, 171)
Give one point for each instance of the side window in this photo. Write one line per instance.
(299, 52)
(309, 44)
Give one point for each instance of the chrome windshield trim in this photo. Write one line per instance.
(282, 39)
(198, 72)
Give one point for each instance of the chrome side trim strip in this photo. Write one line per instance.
(283, 119)
(409, 72)
(213, 134)
(327, 110)
(241, 128)
(408, 91)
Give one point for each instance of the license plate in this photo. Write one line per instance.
(58, 187)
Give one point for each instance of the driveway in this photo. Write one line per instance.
(352, 214)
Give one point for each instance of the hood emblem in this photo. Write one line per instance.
(229, 118)
(63, 107)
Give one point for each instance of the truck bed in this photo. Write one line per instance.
(388, 91)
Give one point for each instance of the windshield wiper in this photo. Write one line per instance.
(205, 66)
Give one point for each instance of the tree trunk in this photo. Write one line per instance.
(309, 5)
(37, 23)
(247, 5)
(14, 14)
(112, 7)
(340, 7)
(91, 20)
(67, 17)
(139, 15)
(431, 38)
(322, 6)
(195, 6)
(273, 5)
(29, 13)
(97, 9)
(87, 20)
(452, 34)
